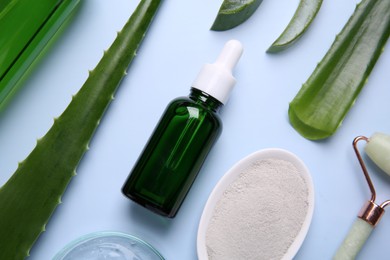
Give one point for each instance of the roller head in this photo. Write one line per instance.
(378, 149)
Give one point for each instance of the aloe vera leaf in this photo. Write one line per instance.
(30, 196)
(26, 29)
(306, 12)
(233, 13)
(326, 97)
(17, 32)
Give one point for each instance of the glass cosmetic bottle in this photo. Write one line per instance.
(187, 130)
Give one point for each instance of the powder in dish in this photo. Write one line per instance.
(260, 214)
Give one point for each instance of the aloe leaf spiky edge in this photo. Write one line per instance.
(304, 15)
(324, 100)
(32, 193)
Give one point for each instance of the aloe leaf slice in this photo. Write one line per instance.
(233, 13)
(326, 97)
(30, 196)
(306, 12)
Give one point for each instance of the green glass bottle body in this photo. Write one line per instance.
(174, 154)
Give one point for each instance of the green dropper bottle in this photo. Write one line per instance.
(187, 130)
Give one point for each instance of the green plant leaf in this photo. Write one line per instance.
(306, 12)
(233, 13)
(27, 29)
(32, 193)
(324, 100)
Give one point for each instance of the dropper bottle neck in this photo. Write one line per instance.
(205, 99)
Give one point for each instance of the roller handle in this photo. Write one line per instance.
(354, 241)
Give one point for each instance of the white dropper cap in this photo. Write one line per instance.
(216, 79)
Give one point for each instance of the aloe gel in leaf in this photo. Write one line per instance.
(31, 195)
(324, 100)
(26, 27)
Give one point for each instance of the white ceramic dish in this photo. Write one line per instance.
(233, 173)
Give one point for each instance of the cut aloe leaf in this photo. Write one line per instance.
(306, 12)
(26, 29)
(233, 13)
(324, 100)
(30, 196)
(378, 149)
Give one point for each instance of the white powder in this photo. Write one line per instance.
(260, 213)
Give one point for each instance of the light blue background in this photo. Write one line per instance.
(177, 45)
